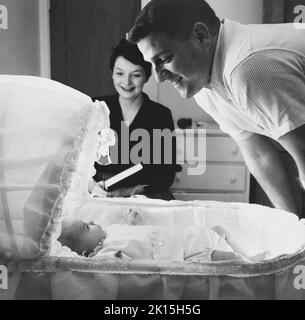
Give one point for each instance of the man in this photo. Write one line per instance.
(249, 78)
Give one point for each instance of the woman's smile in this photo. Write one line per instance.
(128, 78)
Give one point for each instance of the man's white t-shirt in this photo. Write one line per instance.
(257, 80)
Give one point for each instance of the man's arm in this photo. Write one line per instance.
(265, 163)
(294, 143)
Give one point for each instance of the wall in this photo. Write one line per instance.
(19, 44)
(244, 11)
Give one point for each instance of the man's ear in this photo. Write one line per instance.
(201, 33)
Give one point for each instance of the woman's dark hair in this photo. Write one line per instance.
(175, 18)
(131, 53)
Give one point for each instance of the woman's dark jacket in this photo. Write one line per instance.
(150, 116)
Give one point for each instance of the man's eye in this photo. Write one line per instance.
(166, 59)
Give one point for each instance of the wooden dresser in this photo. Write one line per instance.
(226, 177)
(221, 173)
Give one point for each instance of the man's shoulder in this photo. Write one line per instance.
(268, 64)
(243, 45)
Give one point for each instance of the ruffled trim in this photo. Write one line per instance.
(116, 266)
(69, 168)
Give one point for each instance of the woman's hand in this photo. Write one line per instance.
(121, 192)
(91, 185)
(126, 192)
(99, 190)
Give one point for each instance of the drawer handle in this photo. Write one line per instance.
(193, 163)
(233, 179)
(235, 150)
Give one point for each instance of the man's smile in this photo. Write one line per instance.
(177, 82)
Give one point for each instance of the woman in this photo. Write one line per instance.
(131, 110)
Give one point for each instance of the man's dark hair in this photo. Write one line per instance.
(176, 18)
(130, 52)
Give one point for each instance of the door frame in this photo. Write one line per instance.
(44, 38)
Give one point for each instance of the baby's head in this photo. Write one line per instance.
(80, 236)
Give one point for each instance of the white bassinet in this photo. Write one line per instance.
(50, 136)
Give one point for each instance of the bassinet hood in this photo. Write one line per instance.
(47, 130)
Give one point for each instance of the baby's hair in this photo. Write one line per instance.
(69, 239)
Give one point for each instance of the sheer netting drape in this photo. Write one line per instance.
(40, 122)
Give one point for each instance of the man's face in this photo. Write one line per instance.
(186, 64)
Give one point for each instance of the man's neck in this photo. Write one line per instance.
(213, 50)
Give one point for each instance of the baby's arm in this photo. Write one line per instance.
(233, 243)
(218, 255)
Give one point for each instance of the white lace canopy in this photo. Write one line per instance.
(45, 127)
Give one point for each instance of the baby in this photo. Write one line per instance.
(193, 243)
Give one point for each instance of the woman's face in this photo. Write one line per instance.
(128, 78)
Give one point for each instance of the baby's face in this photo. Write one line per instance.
(89, 234)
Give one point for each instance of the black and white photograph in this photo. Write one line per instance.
(152, 152)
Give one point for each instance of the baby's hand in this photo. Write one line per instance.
(133, 217)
